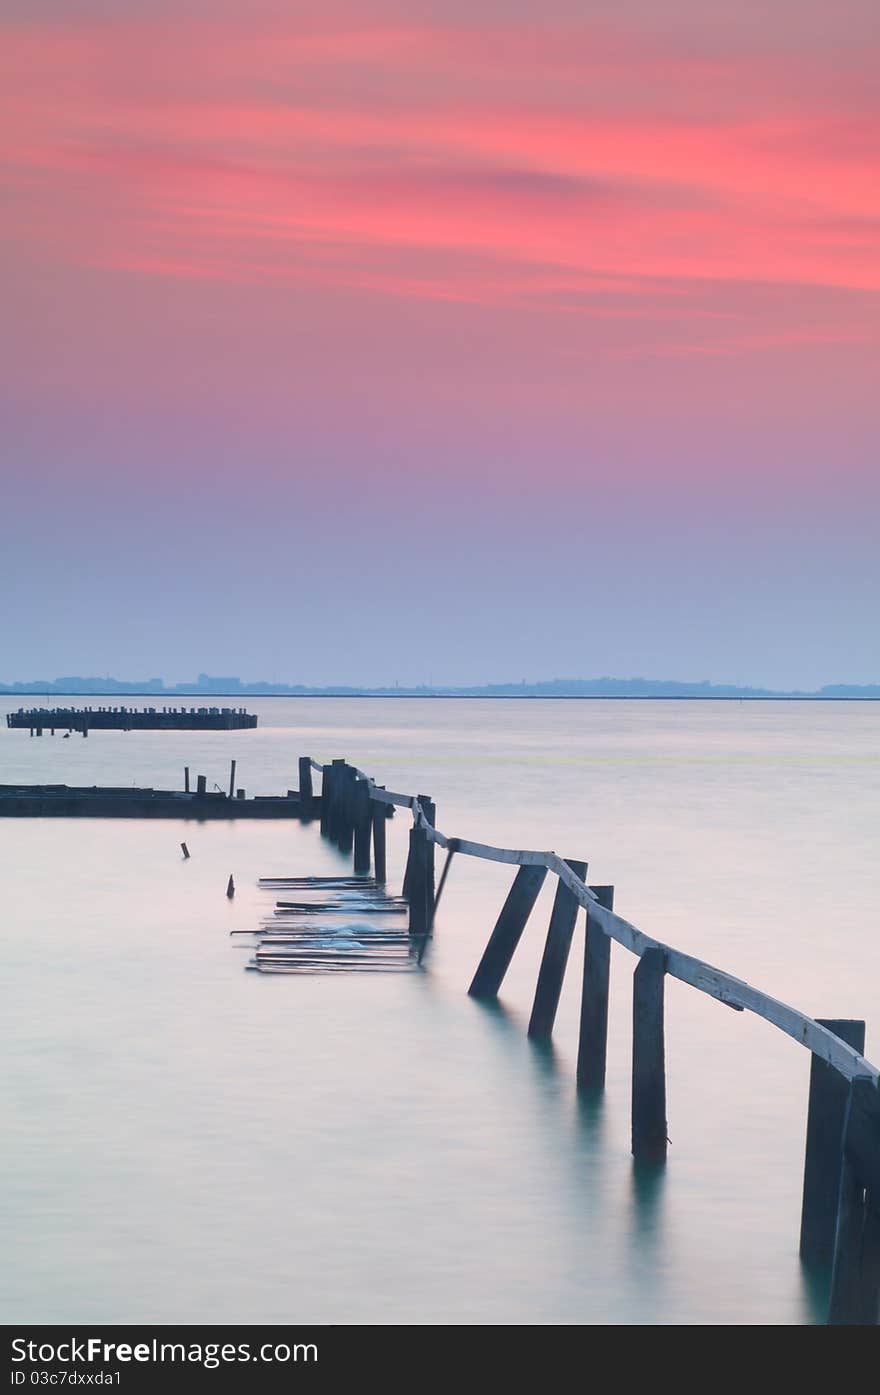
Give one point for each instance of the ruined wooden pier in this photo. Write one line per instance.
(840, 1220)
(36, 720)
(133, 802)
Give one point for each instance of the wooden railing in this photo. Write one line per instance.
(840, 1219)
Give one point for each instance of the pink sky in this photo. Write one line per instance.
(626, 251)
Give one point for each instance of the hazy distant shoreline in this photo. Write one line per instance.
(48, 690)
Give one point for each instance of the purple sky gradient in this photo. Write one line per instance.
(419, 342)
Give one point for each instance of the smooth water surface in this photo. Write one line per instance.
(184, 1141)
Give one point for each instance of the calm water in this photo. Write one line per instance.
(187, 1141)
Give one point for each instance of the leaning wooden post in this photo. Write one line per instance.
(377, 814)
(555, 959)
(649, 1059)
(508, 932)
(593, 1041)
(306, 807)
(855, 1280)
(363, 825)
(823, 1159)
(451, 850)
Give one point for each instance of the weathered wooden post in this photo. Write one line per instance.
(429, 809)
(231, 779)
(326, 800)
(337, 774)
(823, 1159)
(363, 825)
(306, 796)
(377, 817)
(649, 1059)
(418, 896)
(555, 958)
(345, 831)
(593, 1039)
(855, 1280)
(451, 850)
(507, 932)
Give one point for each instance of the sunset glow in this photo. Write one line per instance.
(618, 249)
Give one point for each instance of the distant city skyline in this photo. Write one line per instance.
(207, 685)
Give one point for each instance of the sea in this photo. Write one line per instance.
(188, 1141)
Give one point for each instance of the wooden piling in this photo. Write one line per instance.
(593, 1040)
(363, 825)
(555, 958)
(306, 797)
(337, 775)
(855, 1281)
(507, 932)
(377, 816)
(420, 901)
(823, 1158)
(407, 871)
(345, 826)
(649, 1059)
(185, 851)
(230, 887)
(429, 809)
(326, 800)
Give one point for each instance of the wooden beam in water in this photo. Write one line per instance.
(345, 834)
(555, 958)
(363, 824)
(326, 800)
(306, 794)
(823, 1158)
(507, 932)
(417, 895)
(855, 1282)
(649, 1059)
(378, 820)
(429, 809)
(337, 776)
(593, 1039)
